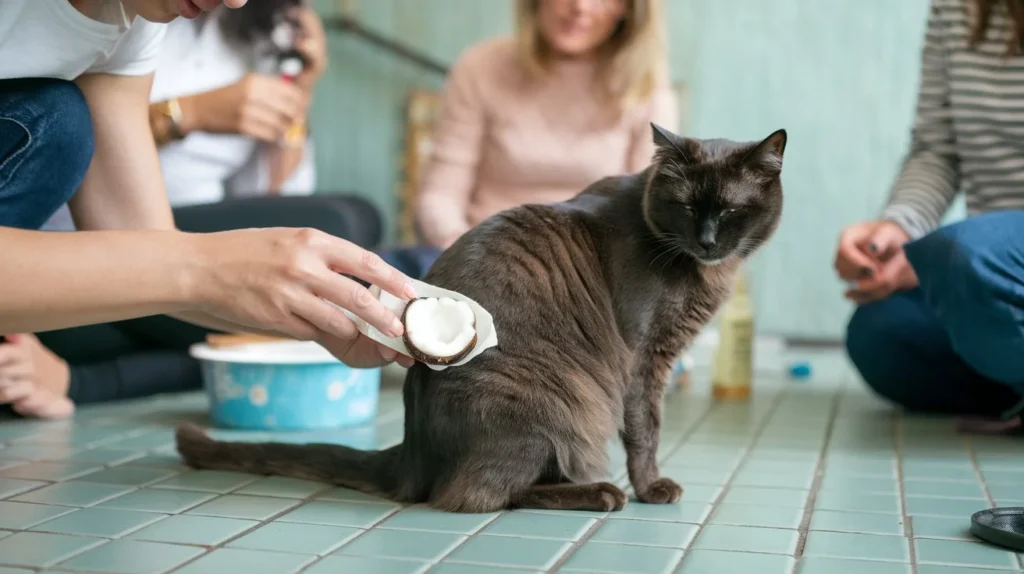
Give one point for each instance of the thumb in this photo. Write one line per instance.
(887, 240)
(14, 339)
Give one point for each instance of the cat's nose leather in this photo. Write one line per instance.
(706, 241)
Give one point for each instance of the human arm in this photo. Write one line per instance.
(123, 188)
(450, 175)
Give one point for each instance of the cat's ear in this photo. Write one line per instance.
(767, 155)
(665, 139)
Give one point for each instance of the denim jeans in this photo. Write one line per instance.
(955, 344)
(46, 145)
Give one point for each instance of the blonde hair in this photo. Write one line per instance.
(631, 63)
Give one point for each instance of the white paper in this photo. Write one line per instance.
(486, 337)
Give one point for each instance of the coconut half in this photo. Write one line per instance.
(439, 330)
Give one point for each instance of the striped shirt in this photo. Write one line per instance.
(968, 132)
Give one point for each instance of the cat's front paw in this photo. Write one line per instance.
(661, 491)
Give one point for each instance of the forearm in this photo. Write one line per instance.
(923, 192)
(58, 280)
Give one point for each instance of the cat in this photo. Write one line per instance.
(592, 300)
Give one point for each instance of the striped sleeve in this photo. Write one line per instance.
(930, 178)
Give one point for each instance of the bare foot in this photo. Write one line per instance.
(33, 380)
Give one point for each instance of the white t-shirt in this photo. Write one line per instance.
(52, 39)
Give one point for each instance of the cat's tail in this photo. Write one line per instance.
(373, 472)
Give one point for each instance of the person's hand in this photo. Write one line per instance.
(289, 281)
(311, 42)
(259, 106)
(870, 258)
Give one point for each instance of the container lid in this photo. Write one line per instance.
(275, 353)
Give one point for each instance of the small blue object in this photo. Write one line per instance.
(286, 386)
(801, 370)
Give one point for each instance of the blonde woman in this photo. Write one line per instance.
(537, 117)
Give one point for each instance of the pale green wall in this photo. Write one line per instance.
(840, 76)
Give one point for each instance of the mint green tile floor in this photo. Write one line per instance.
(810, 477)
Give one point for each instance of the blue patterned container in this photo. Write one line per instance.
(285, 386)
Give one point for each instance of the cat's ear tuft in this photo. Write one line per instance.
(768, 154)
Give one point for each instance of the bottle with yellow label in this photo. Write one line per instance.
(734, 358)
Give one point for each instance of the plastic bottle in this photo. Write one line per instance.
(734, 358)
(290, 63)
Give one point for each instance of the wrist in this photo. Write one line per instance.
(191, 119)
(194, 281)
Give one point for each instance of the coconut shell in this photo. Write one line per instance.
(422, 357)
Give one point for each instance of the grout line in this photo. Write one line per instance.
(908, 527)
(973, 455)
(819, 475)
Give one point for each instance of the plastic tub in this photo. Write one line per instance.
(289, 385)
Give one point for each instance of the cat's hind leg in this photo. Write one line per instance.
(595, 496)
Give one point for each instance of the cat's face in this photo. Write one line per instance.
(714, 199)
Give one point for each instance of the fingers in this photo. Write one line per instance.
(14, 389)
(348, 258)
(851, 262)
(348, 294)
(263, 123)
(359, 352)
(283, 97)
(886, 241)
(882, 285)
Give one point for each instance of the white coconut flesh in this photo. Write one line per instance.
(439, 330)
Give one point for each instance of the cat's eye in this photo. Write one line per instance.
(729, 211)
(688, 208)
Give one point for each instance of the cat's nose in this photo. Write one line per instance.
(706, 241)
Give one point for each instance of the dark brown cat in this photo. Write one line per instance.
(592, 300)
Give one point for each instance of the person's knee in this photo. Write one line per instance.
(972, 274)
(51, 144)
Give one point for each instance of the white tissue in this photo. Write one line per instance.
(486, 335)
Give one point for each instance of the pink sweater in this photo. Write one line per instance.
(501, 142)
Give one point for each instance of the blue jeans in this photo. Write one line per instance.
(46, 144)
(954, 345)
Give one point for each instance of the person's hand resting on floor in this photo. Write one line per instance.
(870, 259)
(33, 380)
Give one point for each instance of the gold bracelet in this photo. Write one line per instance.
(168, 127)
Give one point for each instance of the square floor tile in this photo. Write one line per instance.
(404, 544)
(503, 550)
(746, 539)
(959, 553)
(936, 569)
(701, 492)
(296, 538)
(5, 570)
(858, 546)
(364, 565)
(800, 481)
(283, 487)
(157, 500)
(349, 495)
(531, 525)
(102, 522)
(73, 494)
(52, 471)
(752, 495)
(688, 475)
(248, 561)
(646, 533)
(857, 502)
(132, 557)
(208, 481)
(694, 512)
(42, 550)
(823, 565)
(457, 568)
(11, 486)
(18, 516)
(928, 506)
(128, 475)
(942, 527)
(764, 516)
(847, 483)
(943, 489)
(183, 529)
(720, 562)
(864, 522)
(247, 507)
(425, 518)
(328, 513)
(105, 455)
(605, 557)
(170, 461)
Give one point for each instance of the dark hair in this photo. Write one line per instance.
(253, 22)
(1015, 9)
